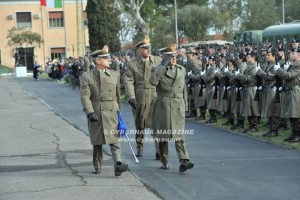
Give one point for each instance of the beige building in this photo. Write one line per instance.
(64, 31)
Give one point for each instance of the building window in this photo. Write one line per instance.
(56, 19)
(85, 19)
(24, 20)
(58, 53)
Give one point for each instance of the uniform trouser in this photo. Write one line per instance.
(230, 115)
(139, 138)
(284, 122)
(213, 113)
(252, 120)
(203, 110)
(240, 117)
(98, 156)
(295, 125)
(274, 123)
(180, 147)
(192, 110)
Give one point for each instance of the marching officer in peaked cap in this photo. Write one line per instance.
(140, 92)
(100, 98)
(168, 118)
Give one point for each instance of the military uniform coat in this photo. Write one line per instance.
(268, 92)
(223, 103)
(195, 77)
(100, 94)
(236, 105)
(136, 79)
(209, 78)
(290, 98)
(231, 92)
(249, 106)
(171, 102)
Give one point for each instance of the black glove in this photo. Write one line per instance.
(92, 117)
(166, 60)
(133, 103)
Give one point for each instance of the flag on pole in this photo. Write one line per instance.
(52, 3)
(122, 128)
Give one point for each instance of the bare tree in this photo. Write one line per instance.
(133, 7)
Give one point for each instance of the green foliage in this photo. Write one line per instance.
(181, 3)
(258, 14)
(163, 34)
(104, 25)
(292, 10)
(5, 69)
(193, 21)
(19, 37)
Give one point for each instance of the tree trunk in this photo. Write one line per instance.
(134, 10)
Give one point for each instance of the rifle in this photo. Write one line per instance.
(217, 81)
(278, 82)
(258, 80)
(202, 82)
(226, 81)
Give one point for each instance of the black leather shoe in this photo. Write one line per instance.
(229, 122)
(270, 134)
(211, 121)
(296, 138)
(185, 164)
(246, 130)
(120, 168)
(96, 171)
(201, 118)
(157, 156)
(238, 125)
(288, 138)
(165, 166)
(139, 153)
(253, 129)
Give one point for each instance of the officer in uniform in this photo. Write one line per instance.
(269, 107)
(168, 112)
(237, 100)
(250, 108)
(192, 68)
(100, 98)
(209, 77)
(115, 65)
(229, 92)
(290, 99)
(140, 92)
(181, 57)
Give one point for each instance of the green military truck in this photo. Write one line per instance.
(281, 32)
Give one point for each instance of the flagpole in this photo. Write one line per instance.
(65, 31)
(43, 7)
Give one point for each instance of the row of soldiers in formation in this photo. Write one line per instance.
(251, 84)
